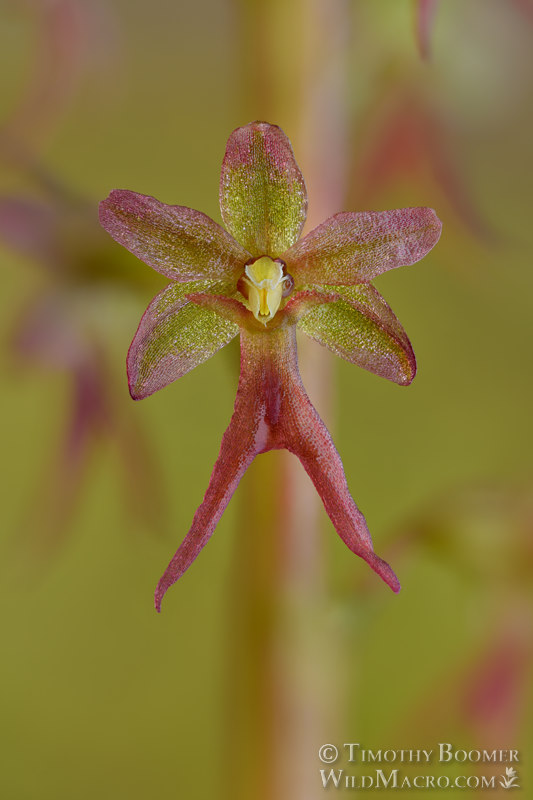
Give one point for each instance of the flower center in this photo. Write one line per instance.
(264, 283)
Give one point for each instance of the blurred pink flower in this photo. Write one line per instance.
(483, 532)
(526, 7)
(71, 38)
(261, 282)
(494, 688)
(408, 138)
(425, 12)
(57, 331)
(425, 15)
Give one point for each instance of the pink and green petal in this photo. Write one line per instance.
(180, 243)
(173, 337)
(360, 327)
(227, 307)
(355, 247)
(365, 298)
(263, 199)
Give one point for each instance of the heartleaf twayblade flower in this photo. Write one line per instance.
(262, 281)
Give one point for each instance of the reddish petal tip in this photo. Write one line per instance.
(159, 594)
(410, 376)
(436, 223)
(134, 391)
(134, 394)
(429, 230)
(384, 571)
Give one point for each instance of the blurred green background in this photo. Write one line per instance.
(99, 696)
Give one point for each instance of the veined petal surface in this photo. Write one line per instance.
(360, 327)
(355, 247)
(180, 243)
(263, 199)
(228, 307)
(174, 336)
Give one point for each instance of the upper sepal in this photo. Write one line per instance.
(174, 336)
(180, 243)
(263, 199)
(355, 247)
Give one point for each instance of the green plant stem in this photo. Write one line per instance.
(282, 698)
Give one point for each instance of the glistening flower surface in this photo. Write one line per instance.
(263, 282)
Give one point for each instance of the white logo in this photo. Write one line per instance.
(508, 780)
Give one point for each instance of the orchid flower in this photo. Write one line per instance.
(261, 281)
